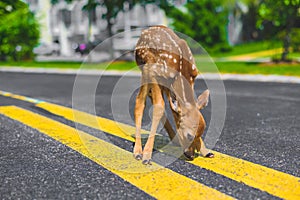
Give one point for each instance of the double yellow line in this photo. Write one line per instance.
(160, 182)
(274, 182)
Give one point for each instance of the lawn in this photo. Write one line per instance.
(71, 65)
(203, 62)
(258, 68)
(208, 67)
(249, 48)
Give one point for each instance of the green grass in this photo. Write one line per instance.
(72, 65)
(294, 55)
(222, 67)
(258, 68)
(249, 48)
(60, 65)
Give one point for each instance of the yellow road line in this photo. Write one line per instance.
(106, 125)
(20, 97)
(115, 128)
(160, 183)
(272, 181)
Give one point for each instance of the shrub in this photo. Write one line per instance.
(19, 31)
(203, 20)
(295, 39)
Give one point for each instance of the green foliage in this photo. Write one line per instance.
(283, 14)
(56, 1)
(203, 20)
(295, 39)
(113, 8)
(19, 31)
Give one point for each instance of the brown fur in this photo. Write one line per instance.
(168, 67)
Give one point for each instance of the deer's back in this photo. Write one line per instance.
(167, 54)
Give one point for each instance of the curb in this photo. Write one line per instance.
(207, 76)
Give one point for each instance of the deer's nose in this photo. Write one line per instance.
(189, 155)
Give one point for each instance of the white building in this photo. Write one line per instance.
(67, 25)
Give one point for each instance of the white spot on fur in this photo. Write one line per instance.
(165, 64)
(175, 61)
(193, 66)
(182, 86)
(176, 45)
(165, 69)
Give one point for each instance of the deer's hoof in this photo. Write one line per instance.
(209, 155)
(138, 156)
(189, 156)
(147, 162)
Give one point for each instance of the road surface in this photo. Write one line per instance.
(257, 154)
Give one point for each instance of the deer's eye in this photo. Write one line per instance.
(190, 137)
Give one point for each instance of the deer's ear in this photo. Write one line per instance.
(202, 100)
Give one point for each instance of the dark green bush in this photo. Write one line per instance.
(295, 39)
(19, 31)
(203, 20)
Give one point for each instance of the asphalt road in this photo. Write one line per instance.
(262, 126)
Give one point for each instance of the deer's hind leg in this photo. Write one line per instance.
(158, 112)
(138, 115)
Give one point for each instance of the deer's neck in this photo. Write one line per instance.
(183, 90)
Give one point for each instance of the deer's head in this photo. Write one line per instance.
(189, 121)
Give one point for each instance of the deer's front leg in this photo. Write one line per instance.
(158, 112)
(138, 115)
(203, 150)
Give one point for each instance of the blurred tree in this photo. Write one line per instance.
(249, 17)
(90, 7)
(166, 5)
(250, 31)
(203, 20)
(194, 20)
(113, 7)
(283, 14)
(19, 30)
